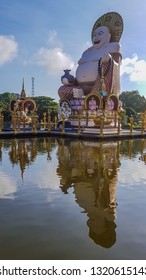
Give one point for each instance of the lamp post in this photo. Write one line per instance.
(131, 125)
(34, 121)
(63, 124)
(44, 120)
(1, 120)
(79, 121)
(119, 124)
(101, 125)
(143, 121)
(49, 120)
(55, 122)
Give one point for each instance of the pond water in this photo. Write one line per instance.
(64, 199)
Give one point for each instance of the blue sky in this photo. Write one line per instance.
(40, 38)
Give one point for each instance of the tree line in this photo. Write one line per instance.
(43, 103)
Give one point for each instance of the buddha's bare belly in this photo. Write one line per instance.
(87, 72)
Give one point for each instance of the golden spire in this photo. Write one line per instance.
(23, 94)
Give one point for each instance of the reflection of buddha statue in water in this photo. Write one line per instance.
(101, 59)
(102, 213)
(92, 173)
(98, 198)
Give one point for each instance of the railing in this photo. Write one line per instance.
(84, 121)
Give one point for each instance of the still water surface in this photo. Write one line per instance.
(63, 199)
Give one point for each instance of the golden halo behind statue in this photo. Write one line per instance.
(29, 104)
(114, 22)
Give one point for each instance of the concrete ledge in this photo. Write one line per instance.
(125, 134)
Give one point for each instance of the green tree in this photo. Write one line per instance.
(130, 112)
(5, 99)
(44, 103)
(132, 100)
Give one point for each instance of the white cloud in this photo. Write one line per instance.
(55, 60)
(134, 68)
(8, 186)
(130, 178)
(8, 49)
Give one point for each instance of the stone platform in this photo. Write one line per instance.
(74, 134)
(93, 130)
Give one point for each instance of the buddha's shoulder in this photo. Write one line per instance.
(114, 47)
(90, 49)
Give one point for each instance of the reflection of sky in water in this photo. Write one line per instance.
(46, 177)
(132, 171)
(40, 174)
(8, 185)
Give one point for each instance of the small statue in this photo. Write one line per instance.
(64, 110)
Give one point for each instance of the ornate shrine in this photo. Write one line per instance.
(23, 107)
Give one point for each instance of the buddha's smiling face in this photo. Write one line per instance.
(101, 37)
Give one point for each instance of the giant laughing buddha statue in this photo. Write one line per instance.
(100, 61)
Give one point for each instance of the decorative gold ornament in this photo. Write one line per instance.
(49, 120)
(94, 95)
(131, 125)
(1, 120)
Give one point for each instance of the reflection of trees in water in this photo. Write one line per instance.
(91, 169)
(23, 152)
(133, 147)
